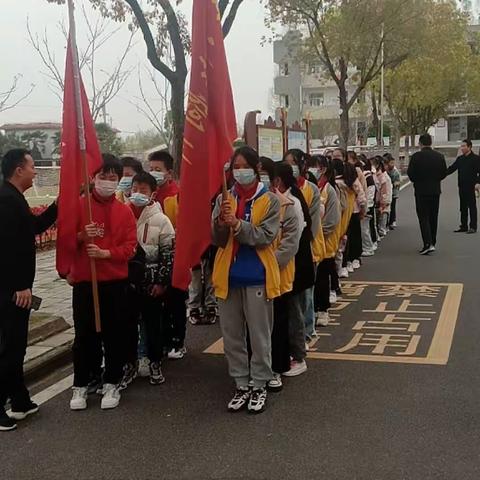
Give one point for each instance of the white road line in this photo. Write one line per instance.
(405, 185)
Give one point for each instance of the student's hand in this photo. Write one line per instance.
(232, 221)
(23, 298)
(94, 251)
(157, 291)
(91, 230)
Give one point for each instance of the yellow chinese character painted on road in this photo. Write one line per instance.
(353, 290)
(390, 322)
(406, 291)
(380, 342)
(404, 308)
(197, 111)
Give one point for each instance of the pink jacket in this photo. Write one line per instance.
(385, 191)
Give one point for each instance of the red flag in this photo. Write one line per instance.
(71, 171)
(210, 129)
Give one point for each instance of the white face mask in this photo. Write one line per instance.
(125, 184)
(265, 179)
(315, 172)
(160, 177)
(105, 188)
(140, 199)
(296, 171)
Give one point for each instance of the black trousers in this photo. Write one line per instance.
(372, 212)
(13, 345)
(131, 325)
(89, 347)
(280, 336)
(334, 280)
(393, 212)
(354, 243)
(322, 285)
(468, 204)
(152, 312)
(427, 212)
(175, 317)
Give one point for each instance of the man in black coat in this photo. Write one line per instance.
(468, 166)
(427, 169)
(17, 271)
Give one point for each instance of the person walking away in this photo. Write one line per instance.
(384, 196)
(396, 179)
(426, 170)
(323, 292)
(156, 237)
(468, 167)
(246, 278)
(111, 240)
(276, 178)
(17, 273)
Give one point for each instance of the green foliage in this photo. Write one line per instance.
(108, 139)
(9, 141)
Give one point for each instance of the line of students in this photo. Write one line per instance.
(280, 241)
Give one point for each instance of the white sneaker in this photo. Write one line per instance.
(322, 319)
(275, 384)
(356, 264)
(111, 397)
(79, 398)
(350, 268)
(296, 368)
(368, 254)
(343, 273)
(144, 367)
(375, 246)
(333, 297)
(177, 353)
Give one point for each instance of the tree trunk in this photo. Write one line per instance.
(344, 117)
(177, 104)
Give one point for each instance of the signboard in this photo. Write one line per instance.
(297, 139)
(270, 143)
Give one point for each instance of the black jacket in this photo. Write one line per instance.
(427, 169)
(18, 227)
(468, 167)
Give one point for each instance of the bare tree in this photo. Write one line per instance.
(104, 85)
(9, 98)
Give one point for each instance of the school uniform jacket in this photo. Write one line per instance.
(331, 219)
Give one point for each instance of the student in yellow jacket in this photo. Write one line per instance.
(246, 278)
(286, 246)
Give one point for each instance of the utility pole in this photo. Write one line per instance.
(382, 88)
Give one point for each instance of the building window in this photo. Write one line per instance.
(284, 69)
(284, 101)
(316, 99)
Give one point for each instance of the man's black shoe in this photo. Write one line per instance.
(21, 413)
(472, 230)
(461, 230)
(427, 249)
(6, 423)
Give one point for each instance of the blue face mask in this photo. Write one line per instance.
(296, 171)
(159, 177)
(265, 179)
(244, 176)
(140, 199)
(125, 184)
(315, 172)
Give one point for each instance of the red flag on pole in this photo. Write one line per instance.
(74, 141)
(210, 129)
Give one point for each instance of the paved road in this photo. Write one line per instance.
(363, 420)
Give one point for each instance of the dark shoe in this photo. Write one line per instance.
(461, 230)
(7, 424)
(211, 316)
(472, 230)
(239, 400)
(130, 373)
(156, 375)
(258, 401)
(195, 317)
(21, 413)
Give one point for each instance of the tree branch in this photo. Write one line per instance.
(228, 22)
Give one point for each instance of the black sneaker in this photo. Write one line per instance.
(195, 317)
(239, 400)
(471, 231)
(461, 230)
(156, 375)
(130, 373)
(211, 316)
(23, 411)
(258, 401)
(6, 423)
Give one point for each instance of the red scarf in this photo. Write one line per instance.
(137, 211)
(243, 195)
(301, 182)
(168, 189)
(322, 182)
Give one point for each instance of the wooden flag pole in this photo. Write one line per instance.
(83, 152)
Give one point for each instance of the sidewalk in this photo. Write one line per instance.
(55, 292)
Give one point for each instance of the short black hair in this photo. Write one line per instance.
(111, 164)
(426, 140)
(147, 179)
(268, 165)
(468, 142)
(133, 163)
(162, 156)
(12, 160)
(388, 157)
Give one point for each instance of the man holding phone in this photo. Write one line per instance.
(17, 273)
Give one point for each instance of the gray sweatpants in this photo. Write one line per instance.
(367, 244)
(250, 307)
(196, 300)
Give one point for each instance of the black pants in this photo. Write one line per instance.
(87, 346)
(334, 280)
(280, 336)
(152, 311)
(322, 285)
(372, 212)
(393, 212)
(354, 248)
(175, 317)
(13, 345)
(131, 325)
(427, 213)
(468, 204)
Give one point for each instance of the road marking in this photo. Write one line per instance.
(405, 185)
(53, 390)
